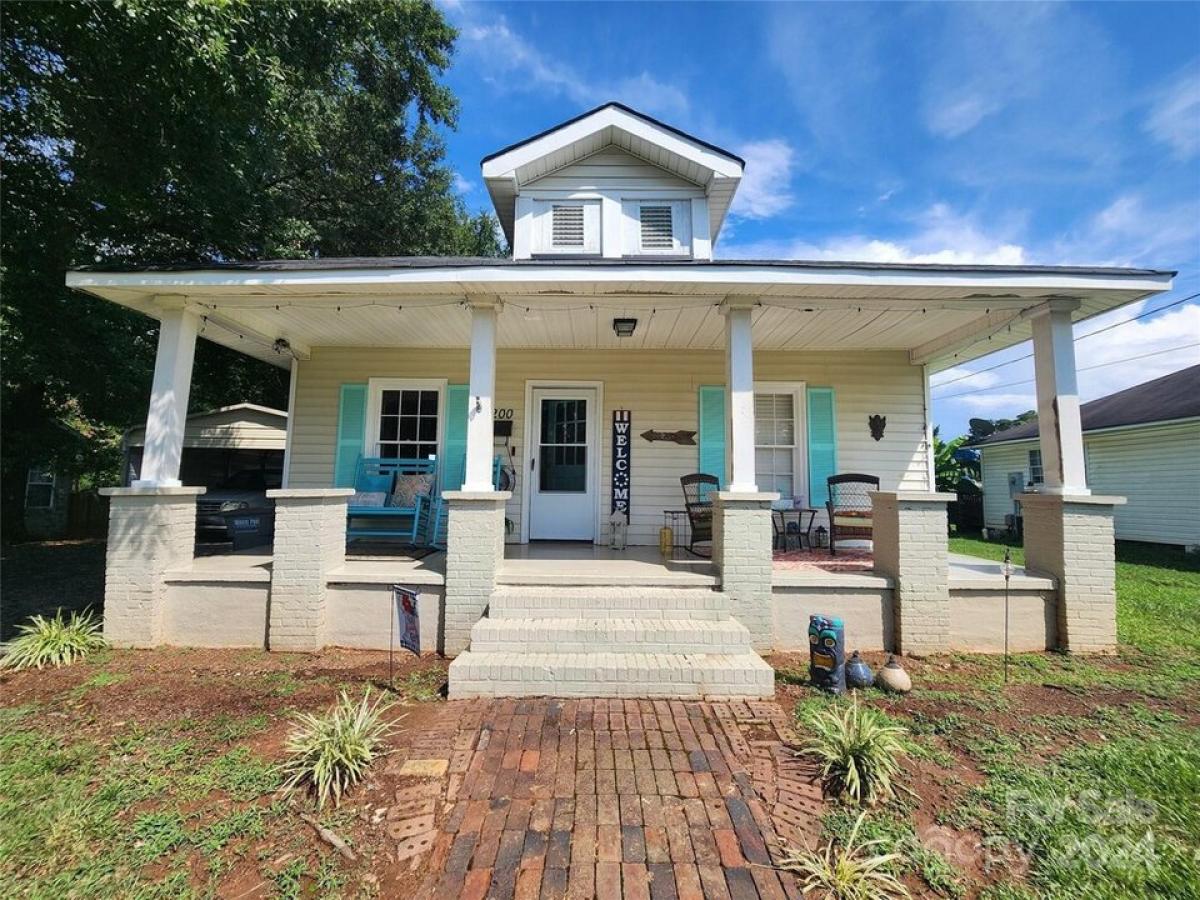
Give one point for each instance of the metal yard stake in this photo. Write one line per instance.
(392, 643)
(1007, 576)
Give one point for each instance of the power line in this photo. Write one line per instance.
(996, 387)
(1009, 362)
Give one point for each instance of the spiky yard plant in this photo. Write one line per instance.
(848, 871)
(859, 748)
(54, 642)
(330, 753)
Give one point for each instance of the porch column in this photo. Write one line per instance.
(480, 405)
(310, 543)
(151, 530)
(474, 551)
(909, 530)
(1070, 538)
(742, 532)
(739, 388)
(169, 390)
(1059, 433)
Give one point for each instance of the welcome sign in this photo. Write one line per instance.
(622, 432)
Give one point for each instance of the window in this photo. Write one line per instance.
(568, 226)
(39, 489)
(1036, 475)
(658, 227)
(775, 442)
(404, 418)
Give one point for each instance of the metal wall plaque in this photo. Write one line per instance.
(687, 438)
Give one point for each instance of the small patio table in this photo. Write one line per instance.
(784, 517)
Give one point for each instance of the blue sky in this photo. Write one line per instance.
(988, 133)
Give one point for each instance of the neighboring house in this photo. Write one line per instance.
(47, 502)
(1142, 443)
(219, 443)
(614, 349)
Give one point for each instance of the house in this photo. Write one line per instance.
(611, 317)
(1142, 442)
(218, 444)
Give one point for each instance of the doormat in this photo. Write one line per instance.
(385, 550)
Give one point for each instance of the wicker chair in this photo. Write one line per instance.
(697, 490)
(849, 507)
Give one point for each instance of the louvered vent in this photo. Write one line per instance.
(656, 228)
(567, 226)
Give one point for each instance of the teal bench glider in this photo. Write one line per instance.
(407, 503)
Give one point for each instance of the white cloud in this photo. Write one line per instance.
(1133, 229)
(765, 188)
(510, 63)
(939, 235)
(1174, 116)
(462, 184)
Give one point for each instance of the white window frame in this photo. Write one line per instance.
(375, 389)
(543, 226)
(1040, 468)
(29, 482)
(681, 226)
(798, 390)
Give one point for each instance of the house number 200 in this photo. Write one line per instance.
(504, 413)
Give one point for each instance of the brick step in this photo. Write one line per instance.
(675, 675)
(609, 635)
(543, 602)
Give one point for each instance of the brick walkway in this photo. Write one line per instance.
(607, 798)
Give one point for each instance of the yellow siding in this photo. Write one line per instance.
(1155, 467)
(661, 390)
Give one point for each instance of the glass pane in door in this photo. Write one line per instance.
(563, 452)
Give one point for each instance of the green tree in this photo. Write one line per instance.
(151, 132)
(949, 472)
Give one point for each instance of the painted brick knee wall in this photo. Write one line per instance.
(742, 550)
(474, 549)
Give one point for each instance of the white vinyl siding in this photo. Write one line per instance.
(236, 429)
(1155, 467)
(659, 387)
(570, 227)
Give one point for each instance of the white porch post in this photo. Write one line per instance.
(480, 404)
(742, 533)
(739, 381)
(167, 417)
(1059, 433)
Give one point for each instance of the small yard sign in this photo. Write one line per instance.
(622, 432)
(405, 605)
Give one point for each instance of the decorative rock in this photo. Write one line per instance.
(892, 677)
(858, 673)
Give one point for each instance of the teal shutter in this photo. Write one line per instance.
(351, 428)
(822, 443)
(712, 430)
(455, 442)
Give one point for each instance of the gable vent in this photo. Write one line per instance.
(657, 233)
(567, 226)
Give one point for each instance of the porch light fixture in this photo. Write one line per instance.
(624, 327)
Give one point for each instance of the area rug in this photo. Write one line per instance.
(360, 549)
(847, 560)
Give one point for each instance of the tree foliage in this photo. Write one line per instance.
(949, 471)
(151, 132)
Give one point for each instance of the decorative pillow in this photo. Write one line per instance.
(368, 498)
(410, 487)
(376, 483)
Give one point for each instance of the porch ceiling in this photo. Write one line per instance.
(940, 316)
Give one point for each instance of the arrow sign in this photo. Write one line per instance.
(687, 438)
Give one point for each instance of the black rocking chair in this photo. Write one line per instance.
(697, 500)
(849, 507)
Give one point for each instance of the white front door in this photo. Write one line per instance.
(563, 456)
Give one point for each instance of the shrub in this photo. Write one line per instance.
(330, 753)
(859, 748)
(54, 642)
(847, 871)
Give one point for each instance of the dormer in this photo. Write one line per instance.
(612, 184)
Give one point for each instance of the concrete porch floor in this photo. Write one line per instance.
(578, 563)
